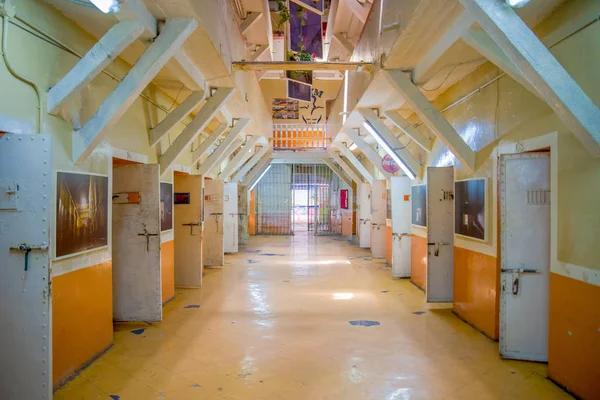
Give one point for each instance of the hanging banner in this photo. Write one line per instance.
(389, 164)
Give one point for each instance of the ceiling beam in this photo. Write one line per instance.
(251, 163)
(193, 72)
(343, 40)
(391, 139)
(141, 74)
(301, 65)
(223, 147)
(541, 69)
(354, 161)
(176, 116)
(345, 166)
(251, 19)
(368, 151)
(240, 158)
(225, 154)
(424, 142)
(338, 171)
(452, 34)
(433, 118)
(117, 39)
(485, 45)
(257, 170)
(198, 124)
(258, 52)
(360, 10)
(208, 144)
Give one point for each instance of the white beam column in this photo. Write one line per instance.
(177, 115)
(191, 132)
(336, 157)
(391, 139)
(228, 152)
(485, 45)
(458, 27)
(354, 161)
(223, 147)
(103, 53)
(433, 118)
(338, 171)
(360, 10)
(344, 42)
(258, 52)
(541, 69)
(424, 142)
(116, 104)
(368, 151)
(251, 163)
(251, 19)
(257, 170)
(239, 158)
(208, 143)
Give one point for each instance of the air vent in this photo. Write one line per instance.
(539, 197)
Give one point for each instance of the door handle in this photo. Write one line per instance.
(28, 248)
(147, 235)
(437, 246)
(400, 235)
(192, 225)
(516, 278)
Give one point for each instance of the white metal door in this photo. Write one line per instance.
(230, 218)
(243, 205)
(25, 300)
(188, 230)
(440, 234)
(137, 287)
(378, 213)
(401, 226)
(525, 256)
(214, 243)
(364, 216)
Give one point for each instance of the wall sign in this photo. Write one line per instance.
(389, 164)
(182, 198)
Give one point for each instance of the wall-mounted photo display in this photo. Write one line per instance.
(306, 30)
(182, 198)
(305, 77)
(166, 206)
(285, 109)
(469, 208)
(419, 205)
(299, 91)
(81, 213)
(317, 6)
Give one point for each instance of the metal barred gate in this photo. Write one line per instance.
(293, 198)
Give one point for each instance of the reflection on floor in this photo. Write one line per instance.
(305, 318)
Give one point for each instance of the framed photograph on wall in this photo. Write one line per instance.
(299, 91)
(81, 213)
(306, 30)
(469, 208)
(419, 205)
(166, 206)
(318, 6)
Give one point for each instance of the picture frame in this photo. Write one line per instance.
(470, 209)
(418, 195)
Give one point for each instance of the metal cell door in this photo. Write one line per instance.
(364, 215)
(378, 213)
(242, 214)
(525, 256)
(230, 218)
(25, 300)
(440, 234)
(401, 226)
(188, 230)
(137, 278)
(214, 243)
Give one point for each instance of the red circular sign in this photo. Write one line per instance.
(389, 164)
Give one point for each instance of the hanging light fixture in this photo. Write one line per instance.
(260, 177)
(388, 149)
(517, 3)
(107, 6)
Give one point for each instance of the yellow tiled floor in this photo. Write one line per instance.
(273, 323)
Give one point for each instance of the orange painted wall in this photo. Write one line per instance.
(477, 290)
(251, 214)
(347, 224)
(574, 340)
(418, 261)
(82, 319)
(388, 245)
(167, 264)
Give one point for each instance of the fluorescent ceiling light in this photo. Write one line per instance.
(517, 3)
(388, 149)
(107, 6)
(260, 177)
(353, 147)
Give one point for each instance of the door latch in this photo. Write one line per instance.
(436, 248)
(28, 248)
(516, 278)
(147, 235)
(400, 235)
(192, 225)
